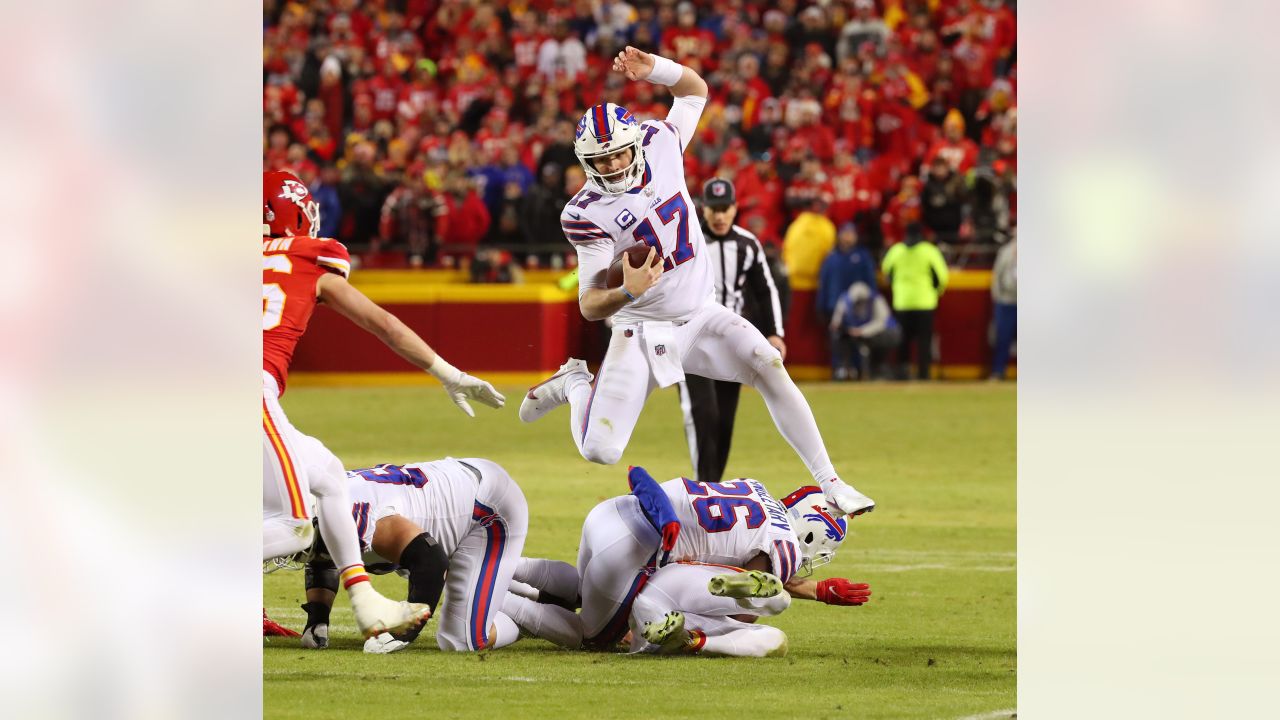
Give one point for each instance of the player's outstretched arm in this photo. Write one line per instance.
(598, 303)
(352, 304)
(832, 591)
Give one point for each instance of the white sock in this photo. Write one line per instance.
(333, 506)
(756, 641)
(794, 419)
(578, 392)
(549, 622)
(556, 577)
(524, 590)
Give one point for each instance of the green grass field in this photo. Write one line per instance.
(938, 639)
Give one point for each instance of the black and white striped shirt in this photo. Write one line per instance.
(742, 272)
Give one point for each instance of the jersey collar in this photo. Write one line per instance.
(643, 181)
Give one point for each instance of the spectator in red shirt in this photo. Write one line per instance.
(525, 41)
(851, 191)
(464, 220)
(687, 41)
(903, 210)
(760, 195)
(385, 89)
(997, 115)
(960, 152)
(816, 135)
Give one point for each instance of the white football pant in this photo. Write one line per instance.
(715, 343)
(293, 466)
(481, 567)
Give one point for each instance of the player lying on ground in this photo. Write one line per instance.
(467, 518)
(624, 539)
(665, 318)
(299, 270)
(717, 607)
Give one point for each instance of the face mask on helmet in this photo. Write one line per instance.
(606, 132)
(818, 532)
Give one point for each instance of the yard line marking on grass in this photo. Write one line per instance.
(936, 566)
(521, 679)
(993, 715)
(936, 553)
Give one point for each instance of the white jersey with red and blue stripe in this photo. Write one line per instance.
(729, 523)
(439, 496)
(476, 513)
(659, 212)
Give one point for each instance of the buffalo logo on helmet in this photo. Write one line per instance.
(582, 127)
(836, 529)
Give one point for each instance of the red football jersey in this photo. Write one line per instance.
(290, 268)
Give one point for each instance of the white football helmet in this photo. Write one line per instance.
(818, 532)
(603, 130)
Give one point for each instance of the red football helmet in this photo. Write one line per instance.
(287, 206)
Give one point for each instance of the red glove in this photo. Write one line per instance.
(270, 628)
(670, 533)
(839, 591)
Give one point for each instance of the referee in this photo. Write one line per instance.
(742, 280)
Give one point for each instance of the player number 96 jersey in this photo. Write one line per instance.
(730, 523)
(659, 213)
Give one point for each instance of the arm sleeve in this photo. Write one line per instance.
(594, 248)
(837, 314)
(879, 316)
(684, 115)
(764, 292)
(785, 557)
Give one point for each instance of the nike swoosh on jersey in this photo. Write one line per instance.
(575, 216)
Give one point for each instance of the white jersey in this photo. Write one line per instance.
(729, 523)
(438, 496)
(660, 213)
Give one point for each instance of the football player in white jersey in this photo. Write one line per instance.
(626, 539)
(467, 517)
(665, 318)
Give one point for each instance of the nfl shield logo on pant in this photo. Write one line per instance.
(659, 349)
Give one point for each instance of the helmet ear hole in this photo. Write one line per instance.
(808, 538)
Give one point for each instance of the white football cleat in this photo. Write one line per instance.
(376, 614)
(384, 644)
(550, 393)
(847, 500)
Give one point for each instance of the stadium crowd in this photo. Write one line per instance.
(433, 132)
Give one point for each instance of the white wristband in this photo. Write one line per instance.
(665, 72)
(443, 371)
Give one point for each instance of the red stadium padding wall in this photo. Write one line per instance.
(518, 332)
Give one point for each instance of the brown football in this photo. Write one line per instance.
(635, 255)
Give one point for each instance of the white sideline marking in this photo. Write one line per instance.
(993, 715)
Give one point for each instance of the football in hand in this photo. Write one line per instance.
(634, 255)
